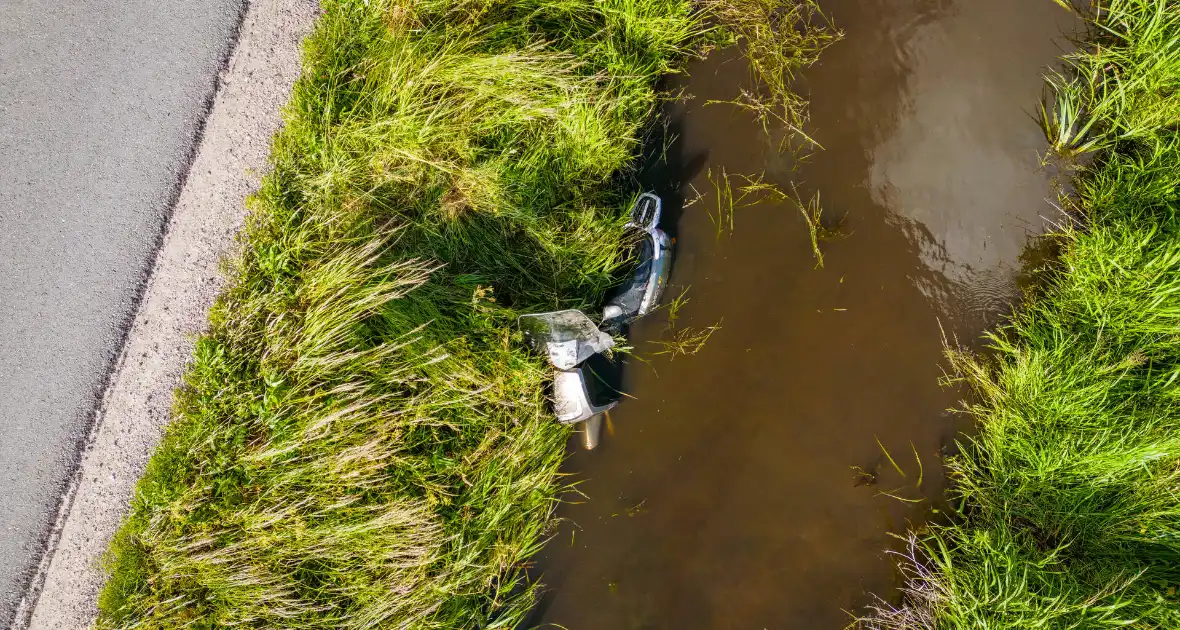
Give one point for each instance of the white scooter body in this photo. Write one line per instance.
(568, 338)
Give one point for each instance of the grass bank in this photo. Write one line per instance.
(362, 441)
(1069, 495)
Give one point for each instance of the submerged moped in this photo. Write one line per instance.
(568, 338)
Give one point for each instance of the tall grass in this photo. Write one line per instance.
(362, 441)
(1069, 495)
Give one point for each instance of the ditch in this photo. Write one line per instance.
(748, 485)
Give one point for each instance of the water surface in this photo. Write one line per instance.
(725, 495)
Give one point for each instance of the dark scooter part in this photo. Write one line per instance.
(640, 294)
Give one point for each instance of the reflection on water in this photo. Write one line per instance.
(726, 497)
(955, 162)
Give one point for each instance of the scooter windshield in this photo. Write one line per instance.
(566, 337)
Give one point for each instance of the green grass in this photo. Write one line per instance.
(1069, 494)
(361, 440)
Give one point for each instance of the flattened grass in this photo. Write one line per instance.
(362, 442)
(1069, 495)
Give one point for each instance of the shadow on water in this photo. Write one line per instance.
(672, 164)
(724, 495)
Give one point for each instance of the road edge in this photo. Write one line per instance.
(230, 156)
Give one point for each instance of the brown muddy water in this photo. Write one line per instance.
(724, 494)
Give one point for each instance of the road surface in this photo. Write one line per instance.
(100, 107)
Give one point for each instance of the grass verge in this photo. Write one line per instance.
(361, 440)
(1069, 495)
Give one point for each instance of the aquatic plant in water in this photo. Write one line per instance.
(780, 38)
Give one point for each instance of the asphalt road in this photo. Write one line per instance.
(100, 107)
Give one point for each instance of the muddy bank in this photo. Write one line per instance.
(724, 495)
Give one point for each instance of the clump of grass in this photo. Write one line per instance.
(686, 340)
(675, 305)
(734, 192)
(361, 440)
(817, 231)
(677, 340)
(1069, 510)
(1122, 83)
(780, 38)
